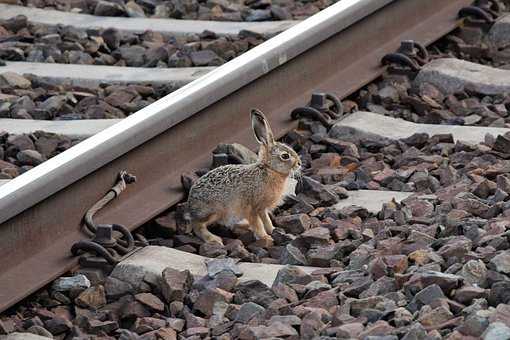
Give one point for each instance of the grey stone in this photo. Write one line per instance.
(499, 34)
(474, 325)
(416, 332)
(179, 59)
(65, 284)
(111, 37)
(107, 8)
(133, 55)
(426, 296)
(501, 262)
(466, 294)
(254, 291)
(292, 256)
(115, 288)
(292, 320)
(258, 15)
(355, 135)
(292, 275)
(175, 284)
(236, 152)
(248, 311)
(499, 293)
(420, 280)
(474, 272)
(30, 157)
(317, 190)
(294, 224)
(216, 266)
(496, 331)
(134, 10)
(205, 58)
(53, 104)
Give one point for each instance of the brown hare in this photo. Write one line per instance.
(232, 193)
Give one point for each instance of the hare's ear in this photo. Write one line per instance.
(261, 128)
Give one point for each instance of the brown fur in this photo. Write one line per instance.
(232, 193)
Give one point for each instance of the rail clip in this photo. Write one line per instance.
(109, 242)
(324, 107)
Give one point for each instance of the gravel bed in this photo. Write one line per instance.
(20, 153)
(433, 267)
(30, 97)
(430, 165)
(220, 10)
(398, 96)
(473, 44)
(21, 40)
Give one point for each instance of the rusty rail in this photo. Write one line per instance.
(34, 244)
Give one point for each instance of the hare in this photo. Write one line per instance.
(232, 193)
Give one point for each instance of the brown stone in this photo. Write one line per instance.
(175, 284)
(93, 297)
(151, 301)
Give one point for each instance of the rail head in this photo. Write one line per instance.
(68, 167)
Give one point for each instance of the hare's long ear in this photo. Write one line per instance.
(261, 128)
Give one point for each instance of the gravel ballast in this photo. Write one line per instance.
(21, 40)
(224, 10)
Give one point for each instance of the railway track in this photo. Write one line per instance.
(42, 210)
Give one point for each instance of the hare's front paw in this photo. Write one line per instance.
(269, 228)
(213, 239)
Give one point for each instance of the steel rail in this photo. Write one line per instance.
(276, 77)
(66, 168)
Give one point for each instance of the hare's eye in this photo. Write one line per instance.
(285, 156)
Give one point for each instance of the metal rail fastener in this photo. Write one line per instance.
(482, 11)
(324, 107)
(411, 54)
(103, 242)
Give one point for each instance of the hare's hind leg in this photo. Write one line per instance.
(268, 225)
(200, 229)
(258, 227)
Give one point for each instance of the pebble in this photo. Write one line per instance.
(496, 331)
(217, 266)
(64, 284)
(93, 297)
(151, 301)
(501, 262)
(193, 10)
(176, 284)
(15, 80)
